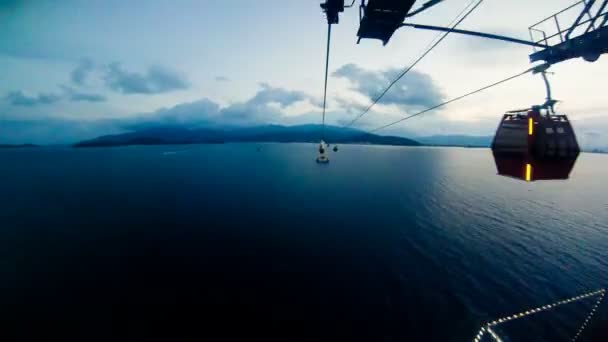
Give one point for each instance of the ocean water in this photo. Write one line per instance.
(228, 242)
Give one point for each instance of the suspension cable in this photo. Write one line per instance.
(451, 100)
(325, 88)
(404, 72)
(460, 14)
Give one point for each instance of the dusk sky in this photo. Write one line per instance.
(72, 70)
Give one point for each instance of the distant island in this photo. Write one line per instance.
(17, 146)
(267, 133)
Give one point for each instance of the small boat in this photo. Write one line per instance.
(335, 148)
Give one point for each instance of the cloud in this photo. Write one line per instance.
(195, 114)
(76, 96)
(84, 97)
(156, 80)
(54, 131)
(9, 6)
(83, 69)
(416, 89)
(266, 106)
(281, 96)
(222, 79)
(350, 106)
(589, 130)
(18, 98)
(269, 105)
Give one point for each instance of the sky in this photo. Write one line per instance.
(77, 69)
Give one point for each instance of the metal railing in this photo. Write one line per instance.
(487, 328)
(585, 8)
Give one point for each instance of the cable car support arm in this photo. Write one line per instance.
(475, 33)
(424, 7)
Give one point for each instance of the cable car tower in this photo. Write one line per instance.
(529, 144)
(554, 38)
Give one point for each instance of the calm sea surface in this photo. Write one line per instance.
(217, 242)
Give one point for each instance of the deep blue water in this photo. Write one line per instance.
(383, 244)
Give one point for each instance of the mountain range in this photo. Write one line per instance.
(171, 135)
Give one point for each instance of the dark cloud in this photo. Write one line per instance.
(156, 80)
(416, 89)
(77, 96)
(265, 107)
(281, 96)
(7, 6)
(259, 109)
(222, 79)
(199, 113)
(84, 97)
(81, 72)
(18, 98)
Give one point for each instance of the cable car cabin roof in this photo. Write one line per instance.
(382, 18)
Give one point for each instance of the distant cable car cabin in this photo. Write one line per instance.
(322, 158)
(532, 146)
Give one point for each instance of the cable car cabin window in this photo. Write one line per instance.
(560, 130)
(550, 130)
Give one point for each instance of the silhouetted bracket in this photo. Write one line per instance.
(587, 39)
(332, 9)
(381, 18)
(475, 34)
(588, 46)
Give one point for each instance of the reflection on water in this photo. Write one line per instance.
(528, 168)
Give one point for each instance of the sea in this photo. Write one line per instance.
(241, 242)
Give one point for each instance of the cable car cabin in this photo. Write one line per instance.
(381, 18)
(531, 146)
